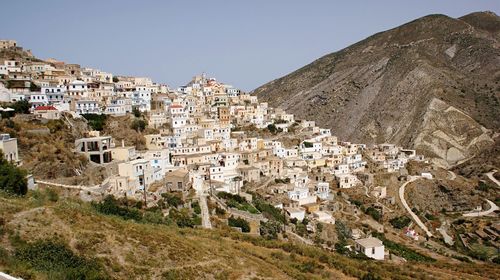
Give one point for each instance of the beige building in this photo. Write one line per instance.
(249, 173)
(177, 180)
(6, 44)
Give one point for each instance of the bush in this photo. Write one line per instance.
(374, 213)
(181, 218)
(400, 222)
(96, 121)
(430, 217)
(110, 206)
(220, 212)
(139, 125)
(483, 186)
(240, 223)
(12, 179)
(21, 107)
(269, 211)
(196, 207)
(56, 259)
(272, 128)
(270, 229)
(172, 199)
(238, 202)
(136, 112)
(404, 252)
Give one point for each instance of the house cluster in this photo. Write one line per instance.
(210, 138)
(52, 86)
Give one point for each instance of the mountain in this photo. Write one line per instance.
(431, 84)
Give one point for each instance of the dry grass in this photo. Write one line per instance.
(130, 250)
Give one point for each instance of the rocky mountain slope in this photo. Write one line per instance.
(432, 84)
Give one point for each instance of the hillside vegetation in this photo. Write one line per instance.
(44, 236)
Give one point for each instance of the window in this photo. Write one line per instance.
(373, 251)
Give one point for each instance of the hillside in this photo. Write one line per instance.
(112, 248)
(432, 84)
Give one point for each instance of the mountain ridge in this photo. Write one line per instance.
(379, 89)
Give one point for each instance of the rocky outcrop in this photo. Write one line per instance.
(450, 136)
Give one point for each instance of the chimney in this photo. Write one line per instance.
(123, 143)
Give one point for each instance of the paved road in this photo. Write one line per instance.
(493, 208)
(205, 215)
(492, 178)
(413, 215)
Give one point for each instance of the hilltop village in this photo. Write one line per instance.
(237, 160)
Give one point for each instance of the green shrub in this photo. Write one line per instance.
(430, 217)
(220, 212)
(270, 229)
(403, 251)
(400, 222)
(12, 179)
(374, 213)
(196, 207)
(57, 260)
(173, 200)
(96, 121)
(181, 218)
(110, 206)
(269, 211)
(139, 125)
(239, 222)
(238, 202)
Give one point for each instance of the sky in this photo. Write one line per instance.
(243, 43)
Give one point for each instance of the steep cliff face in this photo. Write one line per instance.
(382, 88)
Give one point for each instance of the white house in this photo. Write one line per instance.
(298, 194)
(9, 148)
(347, 181)
(323, 190)
(78, 88)
(87, 107)
(371, 247)
(296, 213)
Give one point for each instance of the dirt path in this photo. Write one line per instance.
(205, 215)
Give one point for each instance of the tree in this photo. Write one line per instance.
(115, 79)
(270, 229)
(139, 125)
(272, 128)
(136, 112)
(21, 107)
(12, 179)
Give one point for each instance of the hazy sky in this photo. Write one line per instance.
(244, 43)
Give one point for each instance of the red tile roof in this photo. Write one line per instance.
(45, 108)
